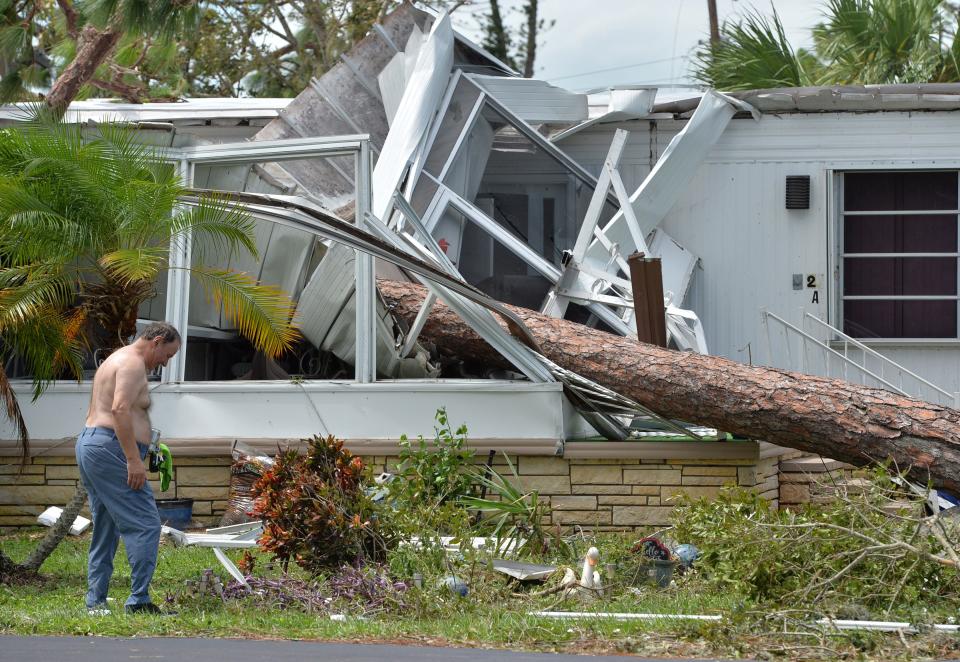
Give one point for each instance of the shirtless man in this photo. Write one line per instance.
(110, 454)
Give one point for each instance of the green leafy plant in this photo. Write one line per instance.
(428, 477)
(512, 513)
(870, 546)
(315, 510)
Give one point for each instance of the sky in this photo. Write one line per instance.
(602, 43)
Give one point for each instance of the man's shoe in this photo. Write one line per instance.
(98, 611)
(147, 608)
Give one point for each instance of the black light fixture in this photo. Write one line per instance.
(798, 191)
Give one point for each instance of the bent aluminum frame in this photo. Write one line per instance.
(598, 404)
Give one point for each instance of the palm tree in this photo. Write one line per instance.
(754, 53)
(87, 219)
(859, 42)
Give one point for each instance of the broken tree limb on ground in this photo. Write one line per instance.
(836, 419)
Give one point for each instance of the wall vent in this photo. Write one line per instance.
(798, 191)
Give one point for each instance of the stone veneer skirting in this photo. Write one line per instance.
(595, 485)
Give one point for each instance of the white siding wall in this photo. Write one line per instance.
(733, 215)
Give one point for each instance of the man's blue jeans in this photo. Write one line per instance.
(118, 512)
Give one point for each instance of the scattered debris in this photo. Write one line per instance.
(369, 588)
(524, 572)
(887, 626)
(50, 516)
(455, 585)
(451, 544)
(236, 536)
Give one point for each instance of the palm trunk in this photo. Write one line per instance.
(830, 417)
(112, 308)
(58, 531)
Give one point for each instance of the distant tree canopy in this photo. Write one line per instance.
(221, 48)
(858, 42)
(142, 50)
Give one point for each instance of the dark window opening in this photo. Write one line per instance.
(900, 250)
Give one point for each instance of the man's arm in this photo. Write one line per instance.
(130, 380)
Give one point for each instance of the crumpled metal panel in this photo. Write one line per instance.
(326, 314)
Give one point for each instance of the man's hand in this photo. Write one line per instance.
(136, 473)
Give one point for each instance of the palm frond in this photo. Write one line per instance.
(138, 222)
(15, 415)
(122, 147)
(134, 264)
(27, 290)
(36, 227)
(753, 53)
(226, 229)
(262, 313)
(881, 41)
(48, 346)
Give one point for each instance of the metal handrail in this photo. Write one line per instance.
(806, 336)
(877, 355)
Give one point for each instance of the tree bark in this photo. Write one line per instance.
(94, 47)
(714, 22)
(497, 41)
(531, 50)
(833, 418)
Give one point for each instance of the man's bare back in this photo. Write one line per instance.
(120, 399)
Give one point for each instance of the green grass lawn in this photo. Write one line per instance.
(490, 616)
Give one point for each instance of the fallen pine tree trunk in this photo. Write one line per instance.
(837, 419)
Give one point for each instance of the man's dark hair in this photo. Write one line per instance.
(163, 330)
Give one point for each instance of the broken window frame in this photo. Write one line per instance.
(178, 280)
(444, 196)
(485, 99)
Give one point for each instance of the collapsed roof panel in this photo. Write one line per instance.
(327, 309)
(535, 101)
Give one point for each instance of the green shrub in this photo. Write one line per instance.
(315, 511)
